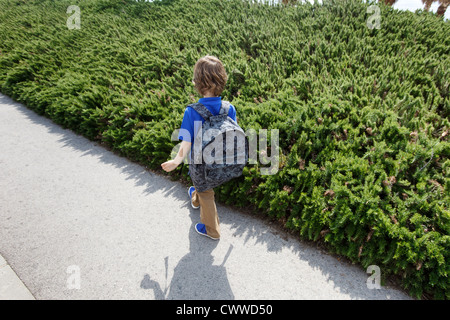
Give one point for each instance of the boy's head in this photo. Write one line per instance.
(210, 76)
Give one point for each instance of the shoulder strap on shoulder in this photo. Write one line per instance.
(225, 108)
(201, 110)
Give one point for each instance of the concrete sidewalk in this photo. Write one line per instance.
(79, 222)
(11, 287)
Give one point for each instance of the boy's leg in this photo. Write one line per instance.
(208, 211)
(195, 199)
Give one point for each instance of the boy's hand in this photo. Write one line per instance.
(169, 165)
(172, 164)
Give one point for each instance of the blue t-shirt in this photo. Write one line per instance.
(192, 121)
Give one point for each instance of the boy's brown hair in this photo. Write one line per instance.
(209, 76)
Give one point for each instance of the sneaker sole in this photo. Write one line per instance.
(191, 200)
(206, 235)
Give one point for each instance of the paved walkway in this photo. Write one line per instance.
(11, 287)
(79, 222)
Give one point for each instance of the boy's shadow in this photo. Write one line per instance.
(195, 277)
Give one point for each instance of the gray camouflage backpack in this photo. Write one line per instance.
(220, 149)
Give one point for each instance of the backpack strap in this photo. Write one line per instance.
(201, 110)
(225, 108)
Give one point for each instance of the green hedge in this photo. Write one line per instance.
(363, 114)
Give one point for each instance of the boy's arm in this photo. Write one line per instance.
(182, 153)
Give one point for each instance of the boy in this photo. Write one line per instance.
(209, 80)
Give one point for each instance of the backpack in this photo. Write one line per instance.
(220, 149)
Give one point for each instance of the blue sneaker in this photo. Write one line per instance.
(190, 191)
(201, 229)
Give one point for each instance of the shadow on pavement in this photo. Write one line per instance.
(195, 276)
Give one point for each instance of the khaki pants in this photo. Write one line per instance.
(208, 211)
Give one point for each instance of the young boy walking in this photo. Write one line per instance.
(209, 80)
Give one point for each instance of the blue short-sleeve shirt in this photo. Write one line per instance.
(192, 121)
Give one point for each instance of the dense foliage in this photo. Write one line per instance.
(363, 114)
